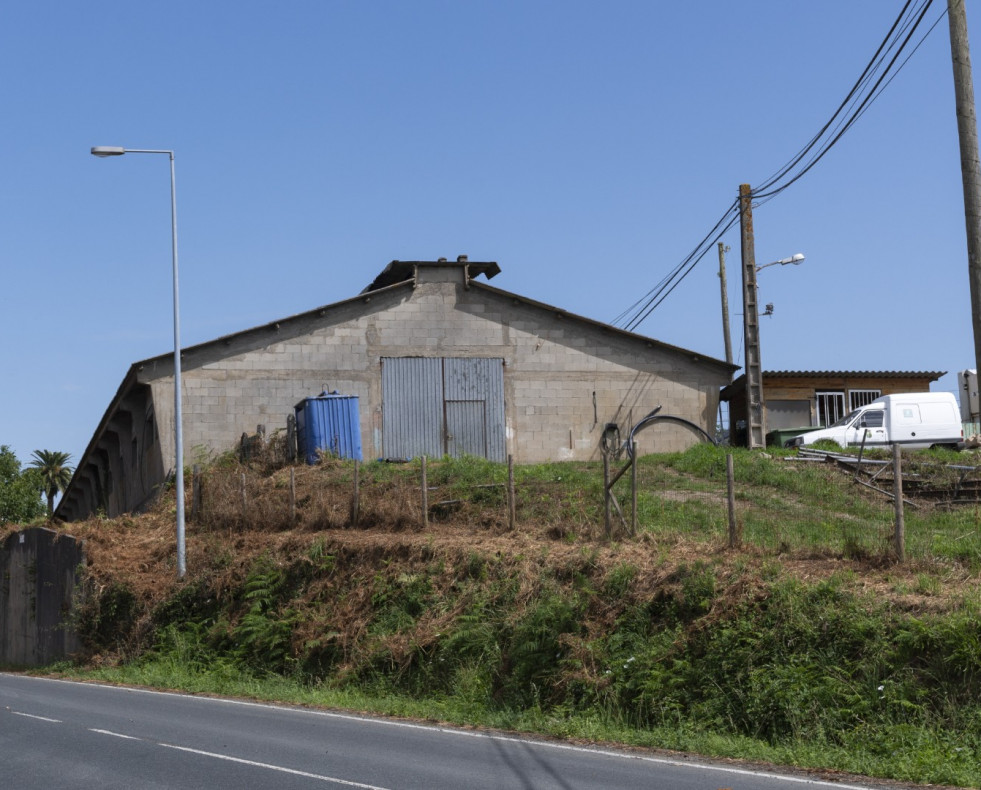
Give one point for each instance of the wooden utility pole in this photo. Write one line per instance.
(723, 249)
(755, 417)
(967, 133)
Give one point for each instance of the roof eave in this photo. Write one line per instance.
(693, 355)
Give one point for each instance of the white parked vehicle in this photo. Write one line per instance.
(916, 420)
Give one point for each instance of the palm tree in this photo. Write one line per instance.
(55, 473)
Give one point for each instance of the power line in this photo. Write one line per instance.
(855, 115)
(654, 298)
(854, 105)
(869, 69)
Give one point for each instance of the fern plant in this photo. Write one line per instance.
(264, 634)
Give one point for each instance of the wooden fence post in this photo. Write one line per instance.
(356, 495)
(734, 537)
(897, 474)
(512, 507)
(633, 486)
(195, 492)
(607, 528)
(292, 495)
(291, 451)
(425, 496)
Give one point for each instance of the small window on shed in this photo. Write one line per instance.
(859, 398)
(830, 406)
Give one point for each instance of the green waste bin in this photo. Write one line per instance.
(780, 436)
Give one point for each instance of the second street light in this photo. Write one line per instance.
(106, 151)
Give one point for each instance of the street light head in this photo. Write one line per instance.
(107, 150)
(794, 259)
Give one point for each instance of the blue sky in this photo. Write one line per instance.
(585, 147)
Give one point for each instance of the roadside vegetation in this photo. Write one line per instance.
(20, 490)
(809, 645)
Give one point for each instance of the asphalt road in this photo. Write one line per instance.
(60, 734)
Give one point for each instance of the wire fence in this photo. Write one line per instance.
(832, 503)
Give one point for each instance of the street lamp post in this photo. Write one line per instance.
(106, 151)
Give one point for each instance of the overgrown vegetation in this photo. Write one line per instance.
(809, 645)
(20, 490)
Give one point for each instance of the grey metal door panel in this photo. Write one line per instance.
(443, 406)
(787, 413)
(466, 431)
(479, 379)
(412, 407)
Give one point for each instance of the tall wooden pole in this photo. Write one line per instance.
(755, 416)
(967, 133)
(726, 336)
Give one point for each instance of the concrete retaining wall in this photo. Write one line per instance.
(38, 574)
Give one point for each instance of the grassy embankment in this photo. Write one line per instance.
(808, 646)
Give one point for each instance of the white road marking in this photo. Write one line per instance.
(115, 734)
(280, 768)
(800, 780)
(39, 718)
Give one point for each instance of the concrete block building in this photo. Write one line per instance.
(441, 364)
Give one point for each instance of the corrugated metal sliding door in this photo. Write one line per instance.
(443, 406)
(412, 406)
(474, 407)
(466, 431)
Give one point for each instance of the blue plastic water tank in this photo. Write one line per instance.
(328, 424)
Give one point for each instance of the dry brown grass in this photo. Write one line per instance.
(231, 532)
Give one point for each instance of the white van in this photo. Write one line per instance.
(916, 420)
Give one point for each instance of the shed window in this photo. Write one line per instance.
(830, 407)
(859, 398)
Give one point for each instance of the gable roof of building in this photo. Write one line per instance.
(400, 274)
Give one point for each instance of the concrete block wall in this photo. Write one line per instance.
(553, 365)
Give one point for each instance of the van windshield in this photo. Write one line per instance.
(845, 420)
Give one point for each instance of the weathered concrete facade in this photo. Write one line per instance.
(564, 379)
(39, 573)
